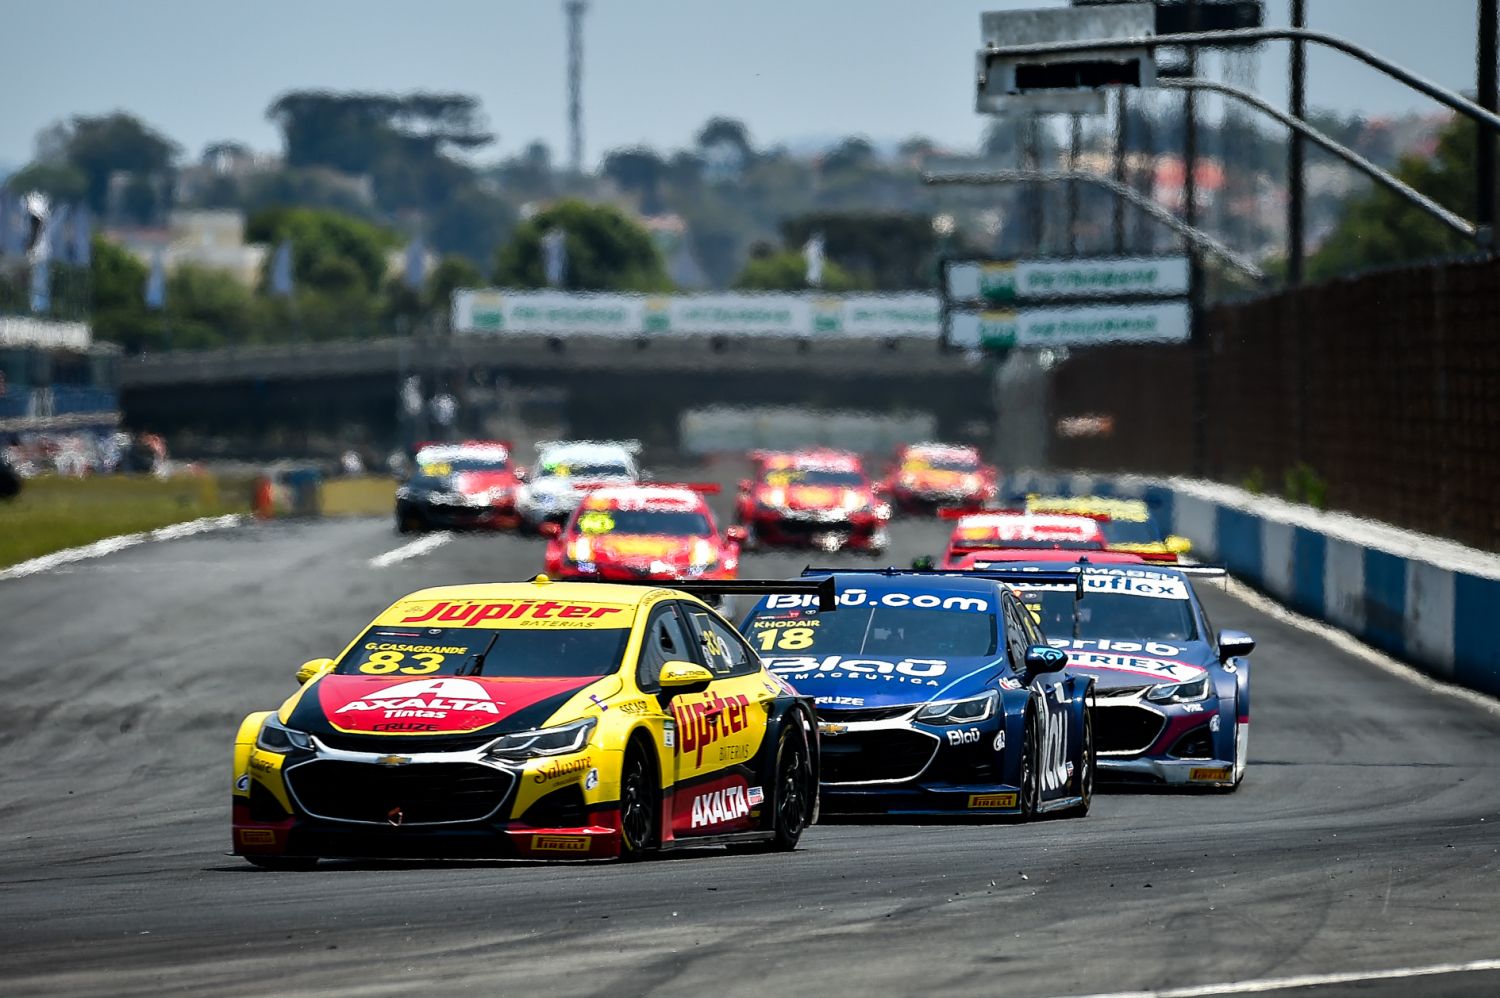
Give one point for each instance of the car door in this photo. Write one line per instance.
(721, 732)
(1054, 704)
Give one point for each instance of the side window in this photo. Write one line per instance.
(724, 652)
(1029, 627)
(666, 641)
(1016, 637)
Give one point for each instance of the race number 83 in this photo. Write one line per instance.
(382, 663)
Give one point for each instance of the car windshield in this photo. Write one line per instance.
(941, 464)
(585, 469)
(428, 482)
(668, 522)
(814, 476)
(1042, 544)
(884, 631)
(1130, 532)
(1117, 616)
(474, 651)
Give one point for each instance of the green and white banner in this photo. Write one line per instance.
(1080, 326)
(1001, 283)
(821, 316)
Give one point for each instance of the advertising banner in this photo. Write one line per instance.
(1083, 325)
(999, 283)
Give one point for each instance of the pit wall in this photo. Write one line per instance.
(1427, 601)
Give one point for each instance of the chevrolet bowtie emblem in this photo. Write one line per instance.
(393, 760)
(833, 729)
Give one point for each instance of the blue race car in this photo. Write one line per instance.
(1173, 702)
(935, 694)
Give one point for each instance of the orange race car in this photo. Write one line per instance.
(925, 478)
(654, 531)
(812, 498)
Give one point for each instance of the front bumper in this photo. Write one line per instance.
(454, 517)
(606, 572)
(1168, 772)
(1166, 744)
(897, 767)
(813, 529)
(918, 500)
(336, 802)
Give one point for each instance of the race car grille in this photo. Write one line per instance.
(837, 714)
(420, 794)
(1120, 693)
(1125, 729)
(875, 756)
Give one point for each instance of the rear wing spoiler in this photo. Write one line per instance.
(1061, 581)
(823, 590)
(631, 447)
(702, 488)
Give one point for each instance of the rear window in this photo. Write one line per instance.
(473, 651)
(1130, 531)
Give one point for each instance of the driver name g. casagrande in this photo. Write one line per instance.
(563, 720)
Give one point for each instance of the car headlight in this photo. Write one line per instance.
(705, 555)
(967, 711)
(1189, 692)
(581, 550)
(277, 737)
(559, 740)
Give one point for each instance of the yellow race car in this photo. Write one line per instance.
(1127, 524)
(539, 719)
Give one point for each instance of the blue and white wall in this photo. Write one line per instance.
(1425, 600)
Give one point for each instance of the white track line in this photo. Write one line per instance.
(415, 549)
(110, 545)
(1345, 641)
(1305, 981)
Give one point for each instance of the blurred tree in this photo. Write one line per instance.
(331, 252)
(472, 222)
(886, 252)
(62, 182)
(786, 270)
(102, 146)
(606, 251)
(1380, 229)
(638, 171)
(450, 274)
(726, 132)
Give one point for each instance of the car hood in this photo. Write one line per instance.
(474, 482)
(865, 681)
(440, 705)
(1127, 664)
(645, 547)
(935, 479)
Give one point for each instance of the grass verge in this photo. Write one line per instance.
(53, 513)
(359, 496)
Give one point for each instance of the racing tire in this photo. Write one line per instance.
(289, 863)
(638, 804)
(1087, 766)
(1235, 766)
(1031, 773)
(793, 796)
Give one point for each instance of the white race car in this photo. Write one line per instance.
(567, 469)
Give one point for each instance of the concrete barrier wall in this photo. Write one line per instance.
(1425, 600)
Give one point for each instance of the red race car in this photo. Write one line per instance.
(926, 478)
(988, 533)
(814, 498)
(663, 532)
(460, 485)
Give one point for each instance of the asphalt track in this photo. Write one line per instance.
(1364, 839)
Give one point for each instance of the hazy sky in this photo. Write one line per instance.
(202, 70)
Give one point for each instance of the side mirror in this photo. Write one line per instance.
(522, 475)
(1233, 644)
(746, 485)
(1045, 658)
(1178, 545)
(313, 669)
(550, 528)
(736, 534)
(923, 563)
(683, 676)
